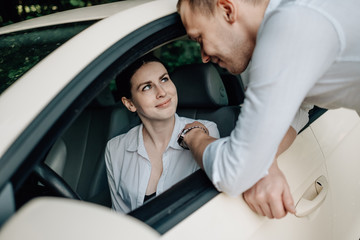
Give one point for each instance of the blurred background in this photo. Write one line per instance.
(12, 11)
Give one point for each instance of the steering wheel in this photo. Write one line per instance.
(54, 182)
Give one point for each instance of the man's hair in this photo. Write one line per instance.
(208, 6)
(123, 80)
(204, 6)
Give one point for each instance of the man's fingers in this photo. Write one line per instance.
(251, 207)
(247, 197)
(288, 201)
(271, 196)
(258, 210)
(267, 210)
(254, 206)
(277, 208)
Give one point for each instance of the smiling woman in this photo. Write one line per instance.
(147, 160)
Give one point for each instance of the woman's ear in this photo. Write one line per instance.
(228, 9)
(128, 104)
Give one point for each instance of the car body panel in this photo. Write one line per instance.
(339, 136)
(76, 15)
(331, 131)
(230, 218)
(74, 220)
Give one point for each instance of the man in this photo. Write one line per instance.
(302, 52)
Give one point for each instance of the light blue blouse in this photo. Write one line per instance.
(128, 165)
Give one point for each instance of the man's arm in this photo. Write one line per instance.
(271, 195)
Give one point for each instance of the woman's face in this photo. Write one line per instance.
(154, 95)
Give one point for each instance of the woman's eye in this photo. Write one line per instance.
(146, 87)
(164, 79)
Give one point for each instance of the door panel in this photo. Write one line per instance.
(230, 218)
(332, 128)
(339, 134)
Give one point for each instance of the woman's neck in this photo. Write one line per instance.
(157, 134)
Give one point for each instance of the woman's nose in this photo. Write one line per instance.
(161, 92)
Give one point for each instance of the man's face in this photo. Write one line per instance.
(227, 44)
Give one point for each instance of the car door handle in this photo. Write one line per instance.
(313, 197)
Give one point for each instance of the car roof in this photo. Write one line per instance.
(75, 15)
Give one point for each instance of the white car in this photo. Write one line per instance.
(58, 109)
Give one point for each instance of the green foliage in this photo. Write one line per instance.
(179, 53)
(12, 11)
(77, 3)
(20, 51)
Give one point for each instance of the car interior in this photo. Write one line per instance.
(75, 167)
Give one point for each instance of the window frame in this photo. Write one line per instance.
(35, 141)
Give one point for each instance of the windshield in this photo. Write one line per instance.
(20, 51)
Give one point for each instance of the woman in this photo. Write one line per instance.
(147, 160)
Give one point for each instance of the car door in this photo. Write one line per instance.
(338, 134)
(224, 217)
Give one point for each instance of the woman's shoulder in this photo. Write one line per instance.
(186, 120)
(124, 137)
(211, 126)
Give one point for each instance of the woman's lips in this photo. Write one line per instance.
(164, 104)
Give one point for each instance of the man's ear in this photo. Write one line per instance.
(128, 104)
(228, 9)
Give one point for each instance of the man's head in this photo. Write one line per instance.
(205, 6)
(225, 29)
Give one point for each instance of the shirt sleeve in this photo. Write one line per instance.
(212, 128)
(295, 47)
(301, 117)
(117, 204)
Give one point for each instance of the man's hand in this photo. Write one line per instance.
(271, 195)
(197, 140)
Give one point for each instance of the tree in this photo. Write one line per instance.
(12, 11)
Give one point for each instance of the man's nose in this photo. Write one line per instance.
(204, 57)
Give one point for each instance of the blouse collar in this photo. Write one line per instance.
(136, 140)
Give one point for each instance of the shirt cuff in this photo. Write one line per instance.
(301, 117)
(209, 156)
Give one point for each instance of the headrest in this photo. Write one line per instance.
(199, 85)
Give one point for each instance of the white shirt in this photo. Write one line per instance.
(128, 165)
(306, 51)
